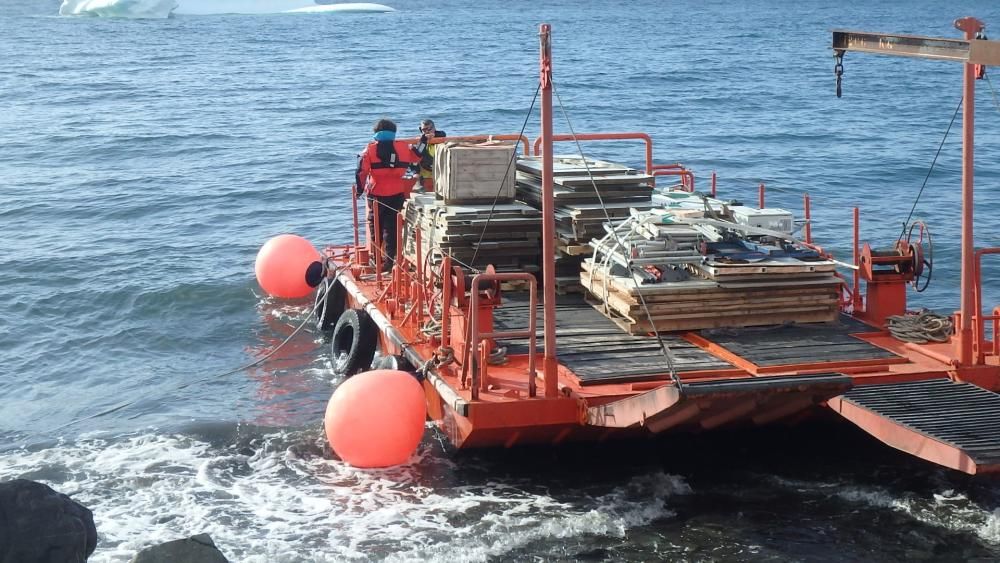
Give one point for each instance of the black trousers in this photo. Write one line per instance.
(387, 207)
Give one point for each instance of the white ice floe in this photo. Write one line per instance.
(164, 8)
(118, 8)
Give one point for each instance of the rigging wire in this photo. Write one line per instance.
(513, 157)
(667, 354)
(931, 169)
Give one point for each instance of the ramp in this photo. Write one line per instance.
(956, 425)
(711, 404)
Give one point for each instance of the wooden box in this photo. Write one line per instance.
(467, 173)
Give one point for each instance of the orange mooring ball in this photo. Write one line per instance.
(376, 418)
(281, 266)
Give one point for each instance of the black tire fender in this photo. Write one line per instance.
(330, 304)
(352, 345)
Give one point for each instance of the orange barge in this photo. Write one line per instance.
(572, 374)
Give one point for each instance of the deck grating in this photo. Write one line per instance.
(937, 409)
(595, 348)
(800, 343)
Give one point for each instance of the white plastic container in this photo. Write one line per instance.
(772, 218)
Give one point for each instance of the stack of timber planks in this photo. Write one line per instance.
(579, 215)
(506, 236)
(660, 263)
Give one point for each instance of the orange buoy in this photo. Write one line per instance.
(282, 264)
(376, 418)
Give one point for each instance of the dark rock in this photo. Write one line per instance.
(196, 549)
(40, 525)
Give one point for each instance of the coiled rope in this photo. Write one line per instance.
(920, 327)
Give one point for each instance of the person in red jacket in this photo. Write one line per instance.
(382, 175)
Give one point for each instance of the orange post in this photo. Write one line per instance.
(713, 183)
(808, 217)
(857, 252)
(760, 196)
(548, 211)
(971, 27)
(446, 300)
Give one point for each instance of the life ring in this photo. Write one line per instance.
(331, 300)
(353, 342)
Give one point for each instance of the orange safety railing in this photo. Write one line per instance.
(480, 380)
(675, 169)
(525, 142)
(605, 137)
(979, 336)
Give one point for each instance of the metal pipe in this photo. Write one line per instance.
(548, 211)
(805, 205)
(524, 141)
(446, 300)
(857, 252)
(601, 137)
(971, 27)
(713, 183)
(977, 303)
(354, 210)
(419, 297)
(760, 196)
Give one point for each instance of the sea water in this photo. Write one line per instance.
(143, 161)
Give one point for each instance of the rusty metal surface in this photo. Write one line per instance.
(960, 415)
(977, 51)
(801, 343)
(596, 350)
(710, 404)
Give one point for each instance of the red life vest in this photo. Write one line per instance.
(386, 177)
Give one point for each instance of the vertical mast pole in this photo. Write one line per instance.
(548, 214)
(971, 27)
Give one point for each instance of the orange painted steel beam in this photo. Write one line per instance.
(548, 212)
(907, 440)
(971, 27)
(720, 352)
(607, 137)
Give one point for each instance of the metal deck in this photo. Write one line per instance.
(800, 343)
(595, 348)
(953, 424)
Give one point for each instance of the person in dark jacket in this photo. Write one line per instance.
(426, 150)
(382, 175)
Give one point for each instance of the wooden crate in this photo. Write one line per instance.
(474, 172)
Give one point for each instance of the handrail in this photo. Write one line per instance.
(530, 333)
(677, 169)
(605, 137)
(979, 337)
(473, 139)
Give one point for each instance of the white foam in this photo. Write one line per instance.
(271, 503)
(948, 509)
(157, 9)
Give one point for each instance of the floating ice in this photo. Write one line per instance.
(351, 7)
(164, 8)
(118, 8)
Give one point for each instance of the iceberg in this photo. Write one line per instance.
(118, 8)
(165, 8)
